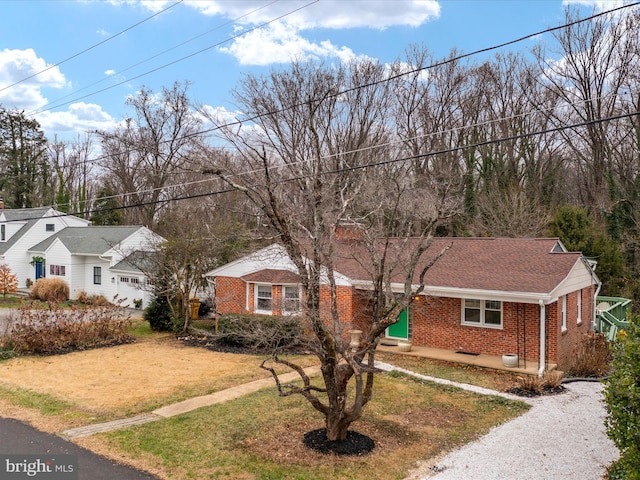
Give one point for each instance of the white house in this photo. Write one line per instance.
(22, 228)
(42, 242)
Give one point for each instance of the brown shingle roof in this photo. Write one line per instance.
(498, 264)
(272, 276)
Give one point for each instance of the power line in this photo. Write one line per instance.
(186, 57)
(421, 69)
(386, 79)
(91, 47)
(42, 109)
(353, 168)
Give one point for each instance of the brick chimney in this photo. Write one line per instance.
(1, 204)
(348, 231)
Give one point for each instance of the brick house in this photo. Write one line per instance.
(529, 297)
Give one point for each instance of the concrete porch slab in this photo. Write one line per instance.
(485, 361)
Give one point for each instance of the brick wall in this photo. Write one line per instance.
(437, 322)
(230, 293)
(569, 339)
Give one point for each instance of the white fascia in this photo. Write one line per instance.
(435, 291)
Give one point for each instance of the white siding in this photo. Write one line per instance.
(107, 288)
(580, 277)
(129, 290)
(17, 257)
(142, 239)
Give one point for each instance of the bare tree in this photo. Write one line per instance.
(155, 144)
(310, 161)
(588, 72)
(74, 174)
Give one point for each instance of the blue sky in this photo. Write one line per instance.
(234, 37)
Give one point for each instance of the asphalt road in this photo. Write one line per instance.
(19, 438)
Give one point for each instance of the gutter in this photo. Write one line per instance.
(542, 337)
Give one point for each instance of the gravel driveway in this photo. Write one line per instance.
(560, 437)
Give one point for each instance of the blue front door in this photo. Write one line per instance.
(39, 270)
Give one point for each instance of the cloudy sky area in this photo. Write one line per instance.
(72, 64)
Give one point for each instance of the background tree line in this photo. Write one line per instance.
(545, 142)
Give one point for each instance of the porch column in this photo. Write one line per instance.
(542, 337)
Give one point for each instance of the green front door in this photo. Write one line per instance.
(401, 328)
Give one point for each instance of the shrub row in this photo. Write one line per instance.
(260, 332)
(46, 332)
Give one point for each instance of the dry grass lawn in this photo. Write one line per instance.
(409, 420)
(129, 379)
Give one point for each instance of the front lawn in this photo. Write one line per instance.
(258, 436)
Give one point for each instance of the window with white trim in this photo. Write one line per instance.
(482, 313)
(3, 232)
(579, 302)
(263, 298)
(50, 227)
(291, 299)
(564, 313)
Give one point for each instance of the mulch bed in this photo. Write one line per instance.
(356, 444)
(217, 345)
(546, 390)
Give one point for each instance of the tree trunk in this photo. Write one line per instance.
(337, 426)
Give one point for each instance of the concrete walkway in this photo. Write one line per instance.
(184, 406)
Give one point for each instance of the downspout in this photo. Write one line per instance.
(542, 337)
(595, 307)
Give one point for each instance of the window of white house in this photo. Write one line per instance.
(564, 313)
(291, 299)
(263, 298)
(3, 232)
(485, 313)
(131, 280)
(579, 301)
(50, 227)
(59, 270)
(97, 275)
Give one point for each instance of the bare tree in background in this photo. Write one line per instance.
(588, 71)
(74, 174)
(311, 160)
(154, 146)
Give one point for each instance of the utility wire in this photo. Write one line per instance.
(186, 57)
(353, 168)
(386, 79)
(91, 47)
(163, 52)
(421, 69)
(403, 74)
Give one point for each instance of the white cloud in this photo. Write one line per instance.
(280, 43)
(22, 76)
(110, 72)
(335, 14)
(282, 38)
(598, 5)
(102, 32)
(78, 118)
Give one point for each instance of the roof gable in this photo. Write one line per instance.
(88, 240)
